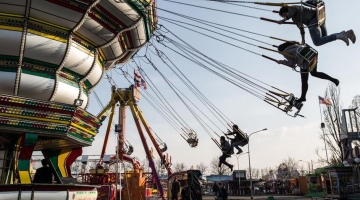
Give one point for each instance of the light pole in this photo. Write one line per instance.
(312, 166)
(251, 186)
(237, 157)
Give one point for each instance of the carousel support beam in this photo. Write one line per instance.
(60, 160)
(122, 136)
(24, 148)
(147, 151)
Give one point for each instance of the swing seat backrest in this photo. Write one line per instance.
(310, 55)
(242, 137)
(320, 10)
(320, 13)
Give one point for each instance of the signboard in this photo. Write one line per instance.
(240, 174)
(103, 192)
(83, 195)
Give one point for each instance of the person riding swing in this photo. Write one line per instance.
(239, 140)
(226, 152)
(314, 19)
(298, 55)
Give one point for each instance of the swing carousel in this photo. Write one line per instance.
(53, 55)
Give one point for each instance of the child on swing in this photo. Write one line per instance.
(291, 52)
(303, 15)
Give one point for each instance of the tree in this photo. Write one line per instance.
(355, 104)
(265, 172)
(215, 169)
(160, 169)
(202, 168)
(178, 167)
(291, 164)
(332, 119)
(255, 173)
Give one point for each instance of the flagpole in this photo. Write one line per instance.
(322, 128)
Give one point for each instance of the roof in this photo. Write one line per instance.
(219, 178)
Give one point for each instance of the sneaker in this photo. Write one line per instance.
(336, 82)
(351, 35)
(298, 104)
(344, 37)
(301, 99)
(239, 152)
(231, 167)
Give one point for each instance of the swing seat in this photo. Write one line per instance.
(293, 103)
(310, 55)
(320, 10)
(164, 147)
(130, 150)
(193, 142)
(320, 13)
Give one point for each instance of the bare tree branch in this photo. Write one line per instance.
(332, 119)
(215, 169)
(202, 168)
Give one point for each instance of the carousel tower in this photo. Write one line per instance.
(53, 53)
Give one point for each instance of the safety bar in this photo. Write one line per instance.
(276, 21)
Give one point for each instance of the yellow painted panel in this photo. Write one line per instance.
(44, 22)
(83, 129)
(25, 177)
(35, 118)
(47, 36)
(17, 153)
(99, 63)
(11, 15)
(61, 161)
(102, 54)
(11, 28)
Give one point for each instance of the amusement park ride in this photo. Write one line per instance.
(53, 54)
(127, 98)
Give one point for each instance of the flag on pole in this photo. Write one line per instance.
(136, 82)
(137, 78)
(137, 75)
(143, 83)
(324, 101)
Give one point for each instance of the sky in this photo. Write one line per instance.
(286, 136)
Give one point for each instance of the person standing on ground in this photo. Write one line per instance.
(175, 189)
(215, 189)
(222, 194)
(43, 174)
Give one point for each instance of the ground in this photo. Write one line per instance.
(262, 197)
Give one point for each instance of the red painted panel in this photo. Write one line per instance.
(92, 16)
(67, 6)
(26, 152)
(103, 192)
(71, 158)
(110, 15)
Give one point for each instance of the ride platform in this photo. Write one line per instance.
(48, 191)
